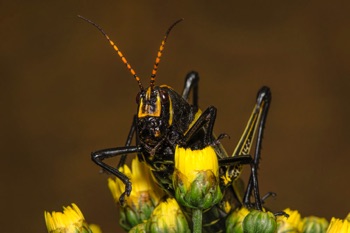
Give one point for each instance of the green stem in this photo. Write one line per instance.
(197, 215)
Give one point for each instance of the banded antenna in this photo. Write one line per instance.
(128, 66)
(160, 52)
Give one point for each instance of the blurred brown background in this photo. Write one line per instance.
(65, 93)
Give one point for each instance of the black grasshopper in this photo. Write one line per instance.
(165, 119)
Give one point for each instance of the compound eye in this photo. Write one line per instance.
(164, 96)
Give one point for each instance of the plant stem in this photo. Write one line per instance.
(197, 215)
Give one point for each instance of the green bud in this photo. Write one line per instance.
(131, 216)
(314, 225)
(259, 222)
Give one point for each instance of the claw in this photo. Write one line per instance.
(267, 195)
(221, 136)
(128, 189)
(281, 213)
(122, 199)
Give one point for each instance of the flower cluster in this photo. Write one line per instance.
(244, 220)
(167, 216)
(197, 189)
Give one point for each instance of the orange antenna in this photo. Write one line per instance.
(117, 50)
(160, 51)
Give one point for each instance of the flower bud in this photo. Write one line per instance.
(259, 222)
(167, 217)
(195, 180)
(314, 224)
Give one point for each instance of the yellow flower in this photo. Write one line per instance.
(142, 181)
(190, 162)
(291, 224)
(196, 177)
(339, 226)
(70, 221)
(145, 194)
(167, 217)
